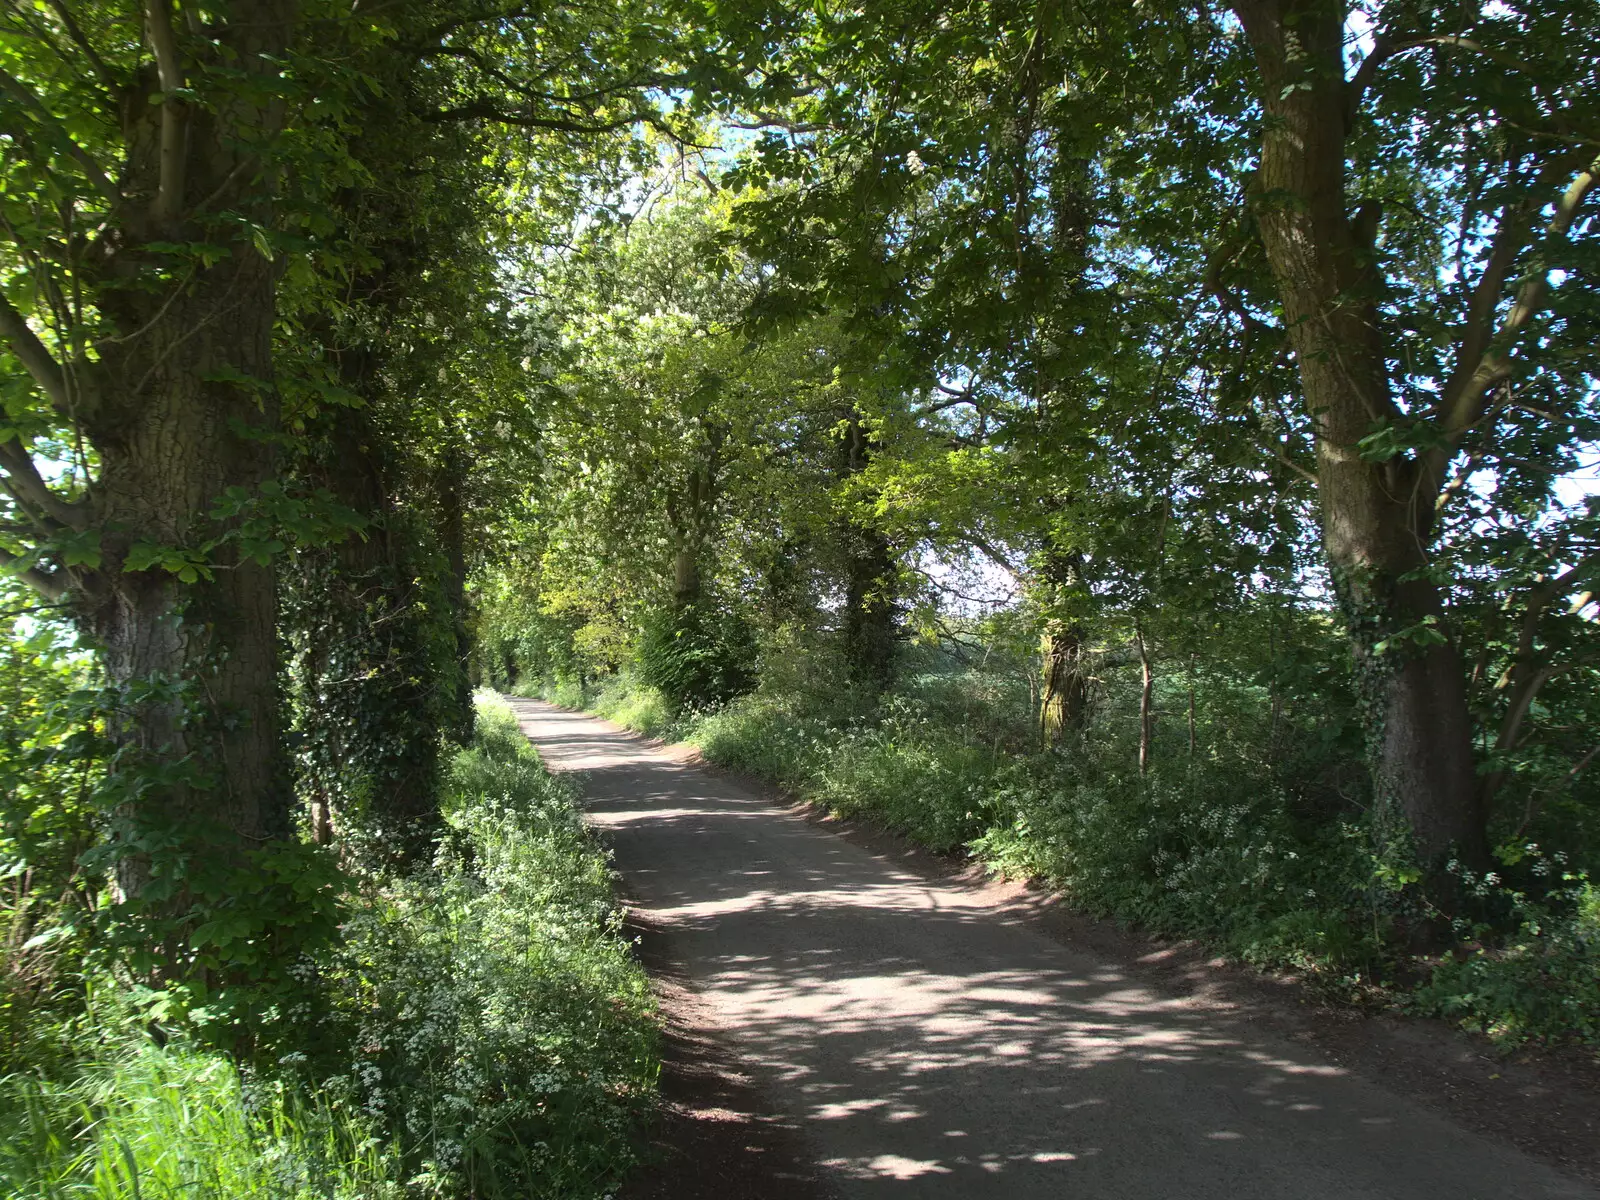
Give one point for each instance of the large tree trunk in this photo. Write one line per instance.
(186, 410)
(691, 515)
(870, 625)
(1147, 714)
(1063, 650)
(1376, 515)
(367, 636)
(869, 609)
(1063, 682)
(686, 576)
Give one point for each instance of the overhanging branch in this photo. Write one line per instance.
(1495, 365)
(49, 584)
(22, 479)
(34, 356)
(1385, 48)
(75, 31)
(86, 163)
(480, 110)
(1466, 397)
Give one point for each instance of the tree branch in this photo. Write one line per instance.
(91, 169)
(1475, 47)
(939, 406)
(169, 72)
(1493, 366)
(482, 110)
(1219, 260)
(983, 547)
(35, 357)
(21, 477)
(1475, 337)
(49, 584)
(1524, 677)
(1466, 396)
(1355, 88)
(1385, 48)
(75, 32)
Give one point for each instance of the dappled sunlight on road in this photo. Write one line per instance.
(930, 1043)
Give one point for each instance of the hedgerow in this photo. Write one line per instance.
(477, 1029)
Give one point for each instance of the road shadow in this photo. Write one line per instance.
(929, 1045)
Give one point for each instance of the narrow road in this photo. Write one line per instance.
(929, 1044)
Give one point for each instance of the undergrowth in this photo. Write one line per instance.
(482, 1031)
(138, 1119)
(619, 698)
(1542, 981)
(505, 1036)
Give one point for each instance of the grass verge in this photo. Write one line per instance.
(506, 1037)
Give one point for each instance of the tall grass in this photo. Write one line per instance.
(148, 1122)
(619, 698)
(1208, 847)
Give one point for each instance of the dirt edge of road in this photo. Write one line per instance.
(718, 1136)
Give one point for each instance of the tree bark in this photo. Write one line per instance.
(869, 629)
(368, 641)
(1064, 674)
(685, 577)
(691, 514)
(1063, 682)
(869, 609)
(185, 409)
(1191, 706)
(1147, 681)
(1376, 515)
(450, 480)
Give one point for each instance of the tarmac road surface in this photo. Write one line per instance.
(929, 1043)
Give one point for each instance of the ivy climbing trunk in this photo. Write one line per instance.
(182, 412)
(372, 644)
(1377, 515)
(207, 644)
(869, 625)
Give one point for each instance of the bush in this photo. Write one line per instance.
(906, 771)
(697, 658)
(1210, 847)
(485, 1032)
(777, 737)
(640, 708)
(49, 776)
(1256, 844)
(249, 924)
(505, 1037)
(1543, 981)
(568, 693)
(1209, 850)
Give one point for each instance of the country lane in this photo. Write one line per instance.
(929, 1043)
